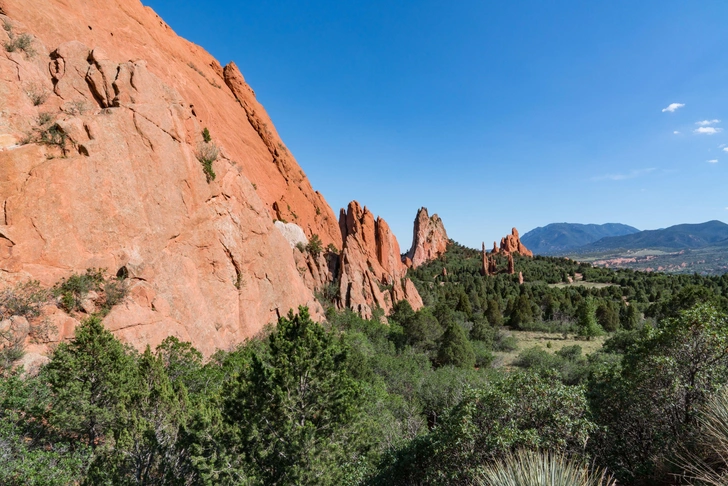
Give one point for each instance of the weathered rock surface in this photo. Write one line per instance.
(429, 239)
(123, 187)
(99, 135)
(293, 233)
(371, 272)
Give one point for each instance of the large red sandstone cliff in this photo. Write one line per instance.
(121, 187)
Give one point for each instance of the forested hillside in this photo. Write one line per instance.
(681, 236)
(557, 238)
(422, 399)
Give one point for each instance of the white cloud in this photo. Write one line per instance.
(706, 123)
(712, 161)
(672, 107)
(725, 149)
(676, 132)
(708, 130)
(621, 177)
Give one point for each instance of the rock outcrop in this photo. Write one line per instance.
(429, 239)
(371, 273)
(512, 244)
(489, 265)
(101, 141)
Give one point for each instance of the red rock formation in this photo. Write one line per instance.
(429, 239)
(492, 266)
(512, 244)
(485, 268)
(520, 278)
(123, 187)
(371, 273)
(511, 265)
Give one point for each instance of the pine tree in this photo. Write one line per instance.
(90, 377)
(291, 413)
(587, 325)
(493, 314)
(455, 348)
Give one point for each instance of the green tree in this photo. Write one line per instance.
(522, 313)
(422, 331)
(482, 330)
(587, 325)
(31, 453)
(293, 413)
(91, 378)
(455, 348)
(630, 317)
(493, 313)
(518, 410)
(315, 246)
(607, 316)
(146, 432)
(647, 404)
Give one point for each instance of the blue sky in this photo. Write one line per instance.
(491, 114)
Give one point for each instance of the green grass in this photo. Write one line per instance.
(529, 339)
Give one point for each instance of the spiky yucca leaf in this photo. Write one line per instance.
(710, 467)
(534, 468)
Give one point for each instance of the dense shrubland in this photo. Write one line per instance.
(420, 400)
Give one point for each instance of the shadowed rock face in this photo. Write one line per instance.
(371, 272)
(120, 185)
(429, 239)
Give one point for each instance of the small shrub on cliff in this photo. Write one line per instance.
(314, 246)
(22, 42)
(331, 248)
(206, 135)
(37, 93)
(207, 154)
(25, 299)
(74, 289)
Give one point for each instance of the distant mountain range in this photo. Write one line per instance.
(574, 239)
(678, 237)
(560, 238)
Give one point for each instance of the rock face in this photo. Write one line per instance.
(371, 272)
(485, 264)
(512, 244)
(429, 239)
(293, 233)
(100, 135)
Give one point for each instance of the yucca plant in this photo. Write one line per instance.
(709, 464)
(536, 468)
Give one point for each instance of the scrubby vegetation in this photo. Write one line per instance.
(207, 153)
(419, 400)
(37, 93)
(22, 43)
